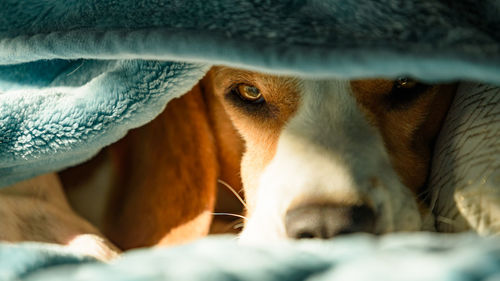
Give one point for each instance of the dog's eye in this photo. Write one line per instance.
(249, 93)
(404, 92)
(250, 101)
(405, 83)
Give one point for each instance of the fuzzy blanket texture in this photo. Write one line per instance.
(76, 75)
(360, 257)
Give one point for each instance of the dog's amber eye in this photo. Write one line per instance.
(405, 83)
(404, 92)
(249, 93)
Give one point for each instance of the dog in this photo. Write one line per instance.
(331, 157)
(37, 210)
(315, 158)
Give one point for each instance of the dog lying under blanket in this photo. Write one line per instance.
(317, 159)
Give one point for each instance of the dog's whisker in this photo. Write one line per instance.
(233, 191)
(230, 214)
(445, 220)
(238, 225)
(233, 225)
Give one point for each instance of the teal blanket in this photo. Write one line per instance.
(76, 75)
(394, 257)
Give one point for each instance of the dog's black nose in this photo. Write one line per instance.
(326, 221)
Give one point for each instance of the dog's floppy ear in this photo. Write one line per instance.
(166, 175)
(230, 147)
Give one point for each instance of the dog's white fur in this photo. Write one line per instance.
(329, 153)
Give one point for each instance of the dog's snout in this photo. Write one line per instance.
(326, 221)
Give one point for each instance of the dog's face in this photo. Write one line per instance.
(329, 157)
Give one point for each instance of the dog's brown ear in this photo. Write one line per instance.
(166, 175)
(230, 147)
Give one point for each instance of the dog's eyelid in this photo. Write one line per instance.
(404, 92)
(234, 83)
(247, 93)
(405, 82)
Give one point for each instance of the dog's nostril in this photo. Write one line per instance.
(305, 235)
(326, 221)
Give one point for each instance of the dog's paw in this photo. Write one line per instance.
(93, 245)
(36, 210)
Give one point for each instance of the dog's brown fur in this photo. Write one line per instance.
(165, 177)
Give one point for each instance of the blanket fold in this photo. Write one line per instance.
(76, 75)
(399, 257)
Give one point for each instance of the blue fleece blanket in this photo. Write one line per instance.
(394, 257)
(76, 75)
